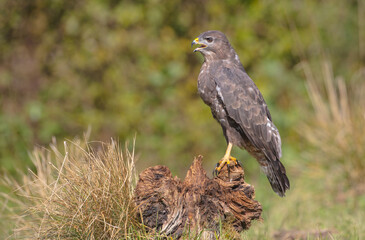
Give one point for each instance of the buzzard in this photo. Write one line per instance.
(238, 105)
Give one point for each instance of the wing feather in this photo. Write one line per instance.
(246, 106)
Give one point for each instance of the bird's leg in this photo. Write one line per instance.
(227, 158)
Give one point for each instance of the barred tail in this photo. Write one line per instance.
(276, 173)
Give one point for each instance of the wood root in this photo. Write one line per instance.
(198, 204)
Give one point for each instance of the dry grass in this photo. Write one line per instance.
(84, 192)
(336, 130)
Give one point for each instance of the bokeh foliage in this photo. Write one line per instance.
(126, 67)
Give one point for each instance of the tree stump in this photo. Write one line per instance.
(198, 204)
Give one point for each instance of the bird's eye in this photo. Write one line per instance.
(209, 39)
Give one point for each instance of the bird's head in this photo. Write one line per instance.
(213, 45)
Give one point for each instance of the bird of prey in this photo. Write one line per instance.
(238, 105)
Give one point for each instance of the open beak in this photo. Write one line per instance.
(196, 41)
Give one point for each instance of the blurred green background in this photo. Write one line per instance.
(125, 69)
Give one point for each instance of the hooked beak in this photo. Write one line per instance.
(196, 41)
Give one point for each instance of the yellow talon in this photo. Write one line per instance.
(233, 159)
(226, 159)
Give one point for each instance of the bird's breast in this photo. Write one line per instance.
(206, 84)
(206, 91)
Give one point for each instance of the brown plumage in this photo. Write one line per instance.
(238, 105)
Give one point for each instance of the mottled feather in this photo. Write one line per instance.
(238, 105)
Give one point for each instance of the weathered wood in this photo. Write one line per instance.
(198, 203)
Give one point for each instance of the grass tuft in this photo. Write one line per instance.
(336, 130)
(82, 192)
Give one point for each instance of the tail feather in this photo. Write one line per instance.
(276, 173)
